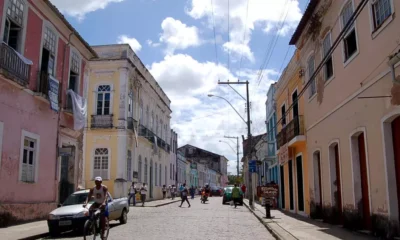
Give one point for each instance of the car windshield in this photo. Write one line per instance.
(214, 188)
(74, 199)
(228, 190)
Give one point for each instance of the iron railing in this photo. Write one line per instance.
(13, 65)
(102, 121)
(149, 135)
(131, 123)
(293, 129)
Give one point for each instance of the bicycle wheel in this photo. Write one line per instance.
(106, 229)
(88, 230)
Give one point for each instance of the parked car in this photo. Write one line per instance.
(216, 191)
(71, 215)
(228, 195)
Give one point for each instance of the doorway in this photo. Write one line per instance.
(317, 179)
(396, 149)
(364, 182)
(336, 192)
(282, 171)
(151, 179)
(300, 187)
(291, 198)
(67, 174)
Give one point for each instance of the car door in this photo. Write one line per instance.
(111, 207)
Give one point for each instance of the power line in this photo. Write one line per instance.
(244, 38)
(284, 59)
(215, 37)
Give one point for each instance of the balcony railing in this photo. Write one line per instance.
(293, 129)
(131, 123)
(43, 86)
(147, 133)
(14, 65)
(102, 121)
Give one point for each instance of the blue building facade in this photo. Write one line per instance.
(273, 173)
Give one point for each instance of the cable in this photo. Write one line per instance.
(284, 59)
(244, 39)
(215, 37)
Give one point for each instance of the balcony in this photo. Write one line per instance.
(131, 123)
(101, 121)
(13, 66)
(149, 135)
(292, 133)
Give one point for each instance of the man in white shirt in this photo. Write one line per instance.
(132, 194)
(143, 193)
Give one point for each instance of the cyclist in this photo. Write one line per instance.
(100, 193)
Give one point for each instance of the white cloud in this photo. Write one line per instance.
(79, 8)
(152, 44)
(267, 14)
(177, 35)
(203, 121)
(135, 45)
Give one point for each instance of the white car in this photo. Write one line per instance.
(71, 215)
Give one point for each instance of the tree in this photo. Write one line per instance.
(233, 179)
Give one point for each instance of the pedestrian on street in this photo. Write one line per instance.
(173, 192)
(169, 191)
(143, 193)
(192, 191)
(244, 189)
(132, 194)
(235, 195)
(184, 195)
(164, 191)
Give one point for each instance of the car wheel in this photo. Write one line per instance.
(54, 232)
(124, 217)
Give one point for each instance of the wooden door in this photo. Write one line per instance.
(338, 180)
(396, 149)
(282, 186)
(300, 187)
(364, 182)
(291, 190)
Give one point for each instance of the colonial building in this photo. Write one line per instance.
(181, 168)
(128, 131)
(42, 56)
(291, 141)
(172, 180)
(352, 108)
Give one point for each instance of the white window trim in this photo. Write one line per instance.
(1, 140)
(74, 50)
(21, 48)
(340, 171)
(376, 31)
(310, 98)
(327, 81)
(319, 151)
(354, 27)
(37, 154)
(92, 161)
(47, 24)
(94, 107)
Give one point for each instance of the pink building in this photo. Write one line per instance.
(352, 111)
(41, 57)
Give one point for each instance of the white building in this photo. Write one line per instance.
(172, 179)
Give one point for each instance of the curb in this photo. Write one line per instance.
(38, 236)
(163, 204)
(274, 233)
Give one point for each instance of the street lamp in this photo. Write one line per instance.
(211, 95)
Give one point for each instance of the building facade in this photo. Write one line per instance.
(42, 56)
(128, 132)
(291, 141)
(182, 164)
(173, 157)
(352, 108)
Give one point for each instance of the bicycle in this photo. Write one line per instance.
(93, 225)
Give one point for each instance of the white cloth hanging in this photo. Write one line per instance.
(79, 108)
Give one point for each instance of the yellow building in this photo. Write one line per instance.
(291, 140)
(121, 145)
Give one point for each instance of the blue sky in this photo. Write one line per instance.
(175, 39)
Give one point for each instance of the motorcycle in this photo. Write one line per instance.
(204, 197)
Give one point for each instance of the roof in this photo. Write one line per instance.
(303, 22)
(188, 145)
(254, 141)
(61, 16)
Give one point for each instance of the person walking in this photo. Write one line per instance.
(192, 191)
(164, 191)
(132, 194)
(143, 193)
(184, 195)
(244, 189)
(235, 195)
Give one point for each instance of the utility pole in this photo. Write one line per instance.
(250, 147)
(237, 153)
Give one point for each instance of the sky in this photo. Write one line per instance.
(189, 45)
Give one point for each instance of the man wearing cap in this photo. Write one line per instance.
(99, 192)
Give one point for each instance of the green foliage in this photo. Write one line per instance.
(234, 179)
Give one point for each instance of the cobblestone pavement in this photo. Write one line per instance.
(201, 221)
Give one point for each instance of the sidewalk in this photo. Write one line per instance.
(39, 229)
(288, 226)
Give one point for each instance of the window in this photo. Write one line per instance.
(350, 39)
(161, 129)
(170, 171)
(283, 112)
(159, 179)
(381, 10)
(29, 157)
(165, 176)
(73, 83)
(147, 116)
(173, 171)
(129, 166)
(145, 170)
(156, 125)
(165, 132)
(103, 100)
(48, 57)
(140, 169)
(152, 121)
(310, 71)
(100, 163)
(14, 24)
(130, 104)
(141, 120)
(155, 174)
(328, 68)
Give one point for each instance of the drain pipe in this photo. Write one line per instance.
(394, 59)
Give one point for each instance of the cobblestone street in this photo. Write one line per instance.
(201, 221)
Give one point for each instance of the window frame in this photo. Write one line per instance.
(130, 104)
(129, 165)
(351, 29)
(140, 168)
(96, 98)
(375, 30)
(155, 173)
(329, 33)
(22, 38)
(36, 138)
(48, 25)
(141, 113)
(311, 95)
(109, 161)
